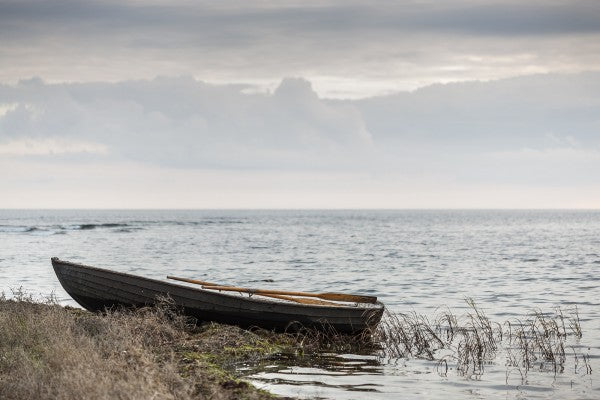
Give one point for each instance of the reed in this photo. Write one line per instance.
(472, 340)
(467, 342)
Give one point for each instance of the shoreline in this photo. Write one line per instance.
(51, 351)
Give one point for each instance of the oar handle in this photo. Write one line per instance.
(192, 281)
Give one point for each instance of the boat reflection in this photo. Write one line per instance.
(326, 370)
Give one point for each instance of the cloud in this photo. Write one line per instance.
(456, 129)
(347, 49)
(49, 146)
(185, 123)
(4, 108)
(540, 111)
(489, 17)
(460, 142)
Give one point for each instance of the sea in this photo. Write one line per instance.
(511, 263)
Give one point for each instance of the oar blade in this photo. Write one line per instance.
(353, 298)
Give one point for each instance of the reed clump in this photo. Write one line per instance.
(541, 340)
(472, 340)
(327, 339)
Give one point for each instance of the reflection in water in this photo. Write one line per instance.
(529, 356)
(346, 376)
(326, 370)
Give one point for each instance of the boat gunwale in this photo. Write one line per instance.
(355, 306)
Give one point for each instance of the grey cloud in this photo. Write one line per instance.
(223, 18)
(346, 48)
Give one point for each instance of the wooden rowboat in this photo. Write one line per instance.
(97, 289)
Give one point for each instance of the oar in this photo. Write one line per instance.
(275, 296)
(197, 282)
(303, 301)
(326, 296)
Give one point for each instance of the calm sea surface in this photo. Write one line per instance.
(509, 262)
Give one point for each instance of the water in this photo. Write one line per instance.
(509, 262)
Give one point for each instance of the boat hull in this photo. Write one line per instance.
(97, 289)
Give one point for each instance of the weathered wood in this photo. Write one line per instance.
(296, 299)
(206, 285)
(196, 281)
(326, 296)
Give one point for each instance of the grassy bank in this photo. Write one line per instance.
(51, 352)
(48, 351)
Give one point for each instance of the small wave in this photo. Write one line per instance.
(211, 221)
(189, 223)
(32, 230)
(43, 232)
(84, 227)
(105, 225)
(24, 229)
(16, 228)
(223, 221)
(128, 230)
(528, 279)
(299, 261)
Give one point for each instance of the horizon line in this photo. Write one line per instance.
(300, 209)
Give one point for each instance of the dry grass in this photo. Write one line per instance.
(313, 341)
(49, 352)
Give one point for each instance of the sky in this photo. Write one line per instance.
(299, 104)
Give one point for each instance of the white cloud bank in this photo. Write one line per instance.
(184, 123)
(49, 146)
(177, 142)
